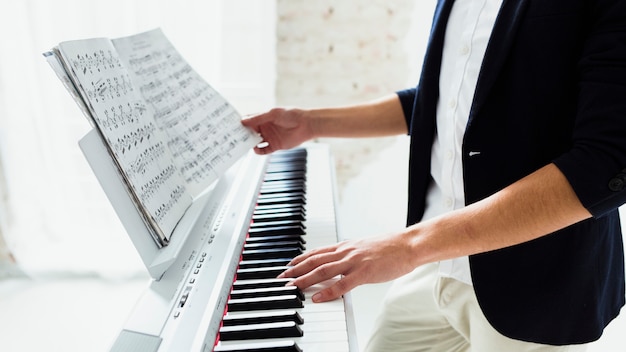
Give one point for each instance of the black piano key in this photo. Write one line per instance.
(250, 284)
(262, 317)
(293, 209)
(267, 292)
(264, 263)
(293, 155)
(260, 273)
(296, 175)
(292, 193)
(260, 331)
(276, 230)
(274, 346)
(274, 166)
(269, 188)
(273, 253)
(277, 206)
(281, 200)
(272, 245)
(287, 158)
(264, 303)
(277, 238)
(284, 222)
(279, 186)
(278, 216)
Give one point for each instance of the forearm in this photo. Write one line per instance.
(537, 205)
(381, 117)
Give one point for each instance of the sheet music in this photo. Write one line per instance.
(133, 137)
(205, 134)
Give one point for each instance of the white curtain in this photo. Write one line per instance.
(56, 218)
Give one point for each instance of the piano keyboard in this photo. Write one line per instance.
(294, 212)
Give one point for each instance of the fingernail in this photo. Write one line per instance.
(317, 297)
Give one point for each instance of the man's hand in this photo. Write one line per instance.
(360, 262)
(280, 129)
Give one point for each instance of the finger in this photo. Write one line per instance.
(306, 277)
(302, 257)
(336, 290)
(263, 148)
(256, 120)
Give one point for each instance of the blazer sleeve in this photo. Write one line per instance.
(407, 99)
(595, 166)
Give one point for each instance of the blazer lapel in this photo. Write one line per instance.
(500, 42)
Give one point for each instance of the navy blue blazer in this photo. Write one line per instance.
(552, 89)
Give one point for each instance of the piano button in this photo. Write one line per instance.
(264, 303)
(273, 245)
(272, 253)
(263, 263)
(260, 331)
(262, 317)
(260, 283)
(274, 346)
(260, 273)
(267, 292)
(277, 238)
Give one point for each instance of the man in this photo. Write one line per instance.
(517, 168)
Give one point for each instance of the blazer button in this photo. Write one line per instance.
(618, 182)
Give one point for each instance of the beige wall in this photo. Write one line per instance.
(337, 52)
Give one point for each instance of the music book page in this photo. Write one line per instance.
(169, 132)
(204, 132)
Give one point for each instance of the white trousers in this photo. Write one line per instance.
(425, 312)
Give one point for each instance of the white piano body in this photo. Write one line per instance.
(183, 307)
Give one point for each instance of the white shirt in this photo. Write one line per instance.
(467, 34)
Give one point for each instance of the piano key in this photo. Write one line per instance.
(267, 292)
(281, 200)
(276, 230)
(276, 238)
(259, 317)
(264, 303)
(326, 341)
(278, 206)
(295, 208)
(260, 273)
(282, 186)
(274, 346)
(287, 222)
(263, 263)
(278, 216)
(272, 253)
(273, 245)
(286, 193)
(296, 175)
(260, 331)
(260, 283)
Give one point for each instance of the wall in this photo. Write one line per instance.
(338, 52)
